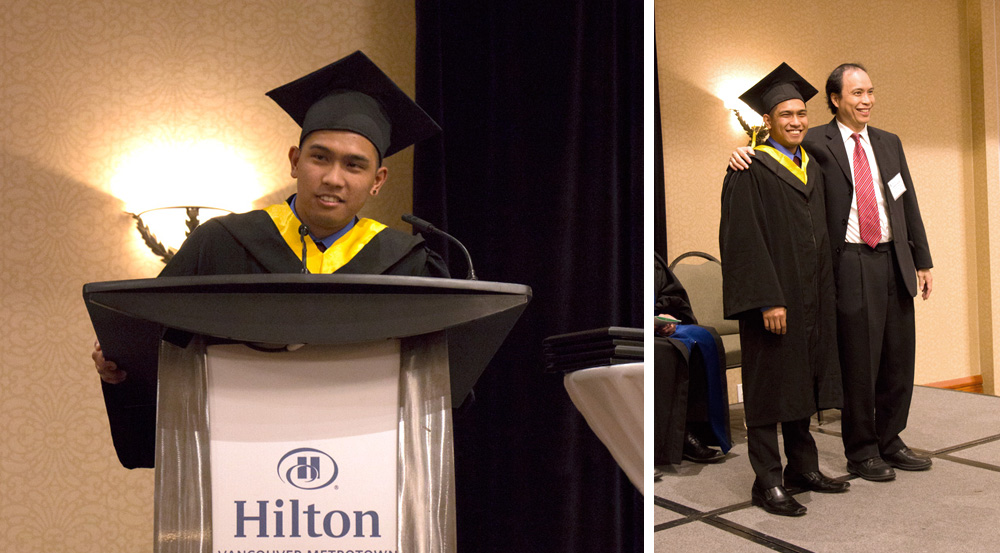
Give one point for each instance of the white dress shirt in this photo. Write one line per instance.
(853, 228)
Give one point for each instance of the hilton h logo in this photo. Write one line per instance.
(307, 469)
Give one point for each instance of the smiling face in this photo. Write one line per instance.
(855, 101)
(337, 171)
(787, 123)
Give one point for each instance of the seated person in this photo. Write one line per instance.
(692, 404)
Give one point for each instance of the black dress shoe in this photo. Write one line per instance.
(906, 459)
(696, 451)
(814, 481)
(776, 501)
(874, 469)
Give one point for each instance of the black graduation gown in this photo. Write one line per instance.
(246, 243)
(249, 243)
(671, 297)
(776, 252)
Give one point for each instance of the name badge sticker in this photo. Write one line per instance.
(896, 186)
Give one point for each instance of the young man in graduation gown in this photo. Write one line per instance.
(778, 282)
(352, 117)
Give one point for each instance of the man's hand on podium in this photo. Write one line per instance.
(108, 370)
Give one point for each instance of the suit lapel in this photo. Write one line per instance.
(886, 167)
(835, 143)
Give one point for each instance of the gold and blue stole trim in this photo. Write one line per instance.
(337, 255)
(787, 163)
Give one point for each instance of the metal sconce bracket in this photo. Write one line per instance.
(157, 247)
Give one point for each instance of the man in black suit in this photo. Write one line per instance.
(881, 261)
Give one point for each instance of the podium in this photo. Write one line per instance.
(289, 412)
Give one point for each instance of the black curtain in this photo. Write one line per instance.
(539, 173)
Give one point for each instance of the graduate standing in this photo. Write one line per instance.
(778, 282)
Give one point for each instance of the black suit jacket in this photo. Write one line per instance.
(825, 145)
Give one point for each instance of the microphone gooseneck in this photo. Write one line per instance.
(303, 232)
(418, 223)
(423, 226)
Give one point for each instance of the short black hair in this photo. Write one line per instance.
(835, 82)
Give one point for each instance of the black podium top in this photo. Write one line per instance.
(130, 318)
(307, 309)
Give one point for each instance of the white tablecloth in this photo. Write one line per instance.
(610, 399)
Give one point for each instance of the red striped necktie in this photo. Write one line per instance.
(864, 190)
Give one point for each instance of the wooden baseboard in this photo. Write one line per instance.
(967, 384)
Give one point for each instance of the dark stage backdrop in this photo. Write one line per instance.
(539, 173)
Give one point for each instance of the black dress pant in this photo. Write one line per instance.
(875, 329)
(800, 450)
(671, 383)
(681, 392)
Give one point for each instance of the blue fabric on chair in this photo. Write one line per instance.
(694, 337)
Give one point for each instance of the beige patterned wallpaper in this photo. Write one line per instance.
(918, 58)
(84, 84)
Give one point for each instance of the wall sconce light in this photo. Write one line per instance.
(729, 91)
(166, 220)
(187, 174)
(756, 133)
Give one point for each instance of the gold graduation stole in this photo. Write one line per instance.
(337, 255)
(786, 162)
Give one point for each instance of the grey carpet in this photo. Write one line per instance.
(954, 506)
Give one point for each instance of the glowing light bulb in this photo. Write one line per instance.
(204, 172)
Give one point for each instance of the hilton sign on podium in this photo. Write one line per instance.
(298, 412)
(308, 458)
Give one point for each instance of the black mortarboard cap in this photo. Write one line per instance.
(779, 85)
(353, 94)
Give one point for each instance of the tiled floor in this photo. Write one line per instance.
(953, 507)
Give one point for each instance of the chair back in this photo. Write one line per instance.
(701, 276)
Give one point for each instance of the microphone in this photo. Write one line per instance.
(303, 231)
(423, 226)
